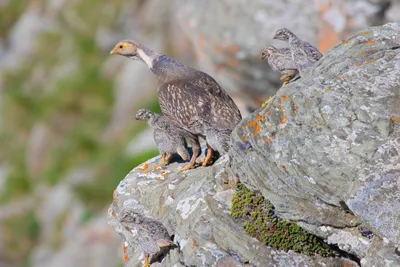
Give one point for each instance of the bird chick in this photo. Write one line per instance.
(281, 60)
(168, 138)
(217, 137)
(152, 234)
(304, 55)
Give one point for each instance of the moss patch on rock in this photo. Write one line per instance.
(258, 218)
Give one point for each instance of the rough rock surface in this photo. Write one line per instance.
(228, 35)
(194, 206)
(326, 149)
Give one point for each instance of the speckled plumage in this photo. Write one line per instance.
(281, 60)
(152, 234)
(218, 138)
(304, 54)
(167, 136)
(184, 93)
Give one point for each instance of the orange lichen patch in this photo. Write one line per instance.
(258, 128)
(113, 213)
(157, 168)
(315, 90)
(114, 193)
(245, 138)
(268, 141)
(253, 123)
(261, 118)
(164, 172)
(160, 179)
(269, 113)
(370, 42)
(244, 126)
(124, 248)
(284, 98)
(144, 167)
(345, 42)
(134, 187)
(358, 64)
(393, 54)
(362, 53)
(146, 173)
(392, 117)
(368, 62)
(328, 89)
(126, 257)
(283, 120)
(364, 33)
(283, 167)
(342, 77)
(171, 196)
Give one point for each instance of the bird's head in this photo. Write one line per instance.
(125, 48)
(131, 216)
(268, 51)
(144, 115)
(283, 34)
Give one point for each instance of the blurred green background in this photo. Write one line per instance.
(67, 134)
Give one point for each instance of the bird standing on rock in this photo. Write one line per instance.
(167, 137)
(281, 60)
(185, 93)
(152, 234)
(304, 55)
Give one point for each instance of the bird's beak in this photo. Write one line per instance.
(275, 37)
(263, 55)
(113, 52)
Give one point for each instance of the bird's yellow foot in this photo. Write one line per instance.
(187, 167)
(266, 101)
(285, 82)
(163, 161)
(284, 77)
(146, 261)
(208, 160)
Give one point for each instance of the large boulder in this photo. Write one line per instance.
(326, 149)
(195, 208)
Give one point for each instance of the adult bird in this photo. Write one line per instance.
(304, 54)
(184, 93)
(280, 60)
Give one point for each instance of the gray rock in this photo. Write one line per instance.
(326, 149)
(228, 35)
(194, 206)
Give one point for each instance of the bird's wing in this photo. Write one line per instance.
(196, 96)
(311, 51)
(147, 244)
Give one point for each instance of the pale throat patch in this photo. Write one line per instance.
(148, 60)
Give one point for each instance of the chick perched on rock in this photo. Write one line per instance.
(304, 55)
(168, 138)
(281, 60)
(152, 234)
(216, 137)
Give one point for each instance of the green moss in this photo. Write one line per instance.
(258, 218)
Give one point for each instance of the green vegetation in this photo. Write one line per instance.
(62, 87)
(259, 220)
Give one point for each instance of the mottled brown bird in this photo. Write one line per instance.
(152, 234)
(185, 93)
(166, 135)
(281, 60)
(304, 54)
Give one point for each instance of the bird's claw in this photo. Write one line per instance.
(187, 167)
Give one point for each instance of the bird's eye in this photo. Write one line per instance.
(120, 46)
